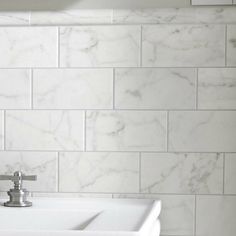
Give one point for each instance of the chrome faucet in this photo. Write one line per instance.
(18, 195)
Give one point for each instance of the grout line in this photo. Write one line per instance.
(117, 67)
(127, 110)
(195, 215)
(58, 171)
(113, 88)
(31, 89)
(4, 130)
(141, 47)
(58, 47)
(226, 44)
(197, 95)
(113, 151)
(167, 130)
(85, 130)
(223, 173)
(140, 172)
(3, 114)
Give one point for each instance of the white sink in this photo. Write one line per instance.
(82, 217)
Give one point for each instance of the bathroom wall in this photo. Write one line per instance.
(121, 103)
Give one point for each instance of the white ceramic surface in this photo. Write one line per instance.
(82, 217)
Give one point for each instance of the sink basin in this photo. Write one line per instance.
(82, 217)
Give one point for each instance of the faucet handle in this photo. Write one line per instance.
(29, 177)
(18, 177)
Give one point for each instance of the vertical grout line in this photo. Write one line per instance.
(4, 130)
(85, 129)
(223, 173)
(167, 131)
(195, 215)
(197, 81)
(31, 89)
(141, 47)
(140, 162)
(58, 47)
(226, 39)
(113, 89)
(58, 171)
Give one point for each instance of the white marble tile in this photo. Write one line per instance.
(230, 173)
(155, 88)
(100, 46)
(44, 130)
(42, 164)
(73, 89)
(216, 216)
(14, 18)
(28, 47)
(231, 45)
(183, 45)
(217, 88)
(211, 15)
(71, 17)
(202, 131)
(15, 89)
(177, 214)
(1, 130)
(99, 172)
(182, 173)
(126, 131)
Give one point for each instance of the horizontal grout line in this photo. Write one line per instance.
(125, 24)
(110, 151)
(126, 110)
(117, 68)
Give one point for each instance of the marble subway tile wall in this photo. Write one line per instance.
(125, 104)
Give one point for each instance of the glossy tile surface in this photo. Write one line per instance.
(99, 172)
(73, 89)
(48, 130)
(183, 45)
(126, 131)
(155, 88)
(28, 47)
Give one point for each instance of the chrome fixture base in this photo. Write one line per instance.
(18, 195)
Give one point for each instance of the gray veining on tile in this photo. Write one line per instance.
(196, 15)
(217, 88)
(99, 46)
(177, 215)
(182, 173)
(1, 130)
(230, 173)
(202, 131)
(155, 88)
(99, 172)
(14, 18)
(42, 164)
(73, 89)
(15, 89)
(28, 47)
(231, 45)
(216, 216)
(44, 130)
(183, 45)
(126, 131)
(72, 17)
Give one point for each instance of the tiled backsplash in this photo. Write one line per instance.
(125, 103)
